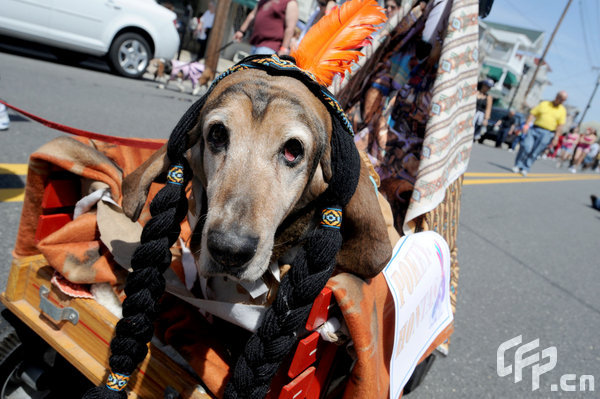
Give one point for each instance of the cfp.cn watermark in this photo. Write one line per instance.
(541, 362)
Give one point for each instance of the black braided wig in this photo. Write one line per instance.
(311, 268)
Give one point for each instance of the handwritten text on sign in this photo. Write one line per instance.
(418, 276)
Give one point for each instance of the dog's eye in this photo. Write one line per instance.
(292, 152)
(218, 137)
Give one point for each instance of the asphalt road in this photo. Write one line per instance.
(528, 250)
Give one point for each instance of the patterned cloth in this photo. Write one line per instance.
(76, 250)
(412, 100)
(448, 137)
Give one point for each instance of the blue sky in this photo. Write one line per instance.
(571, 57)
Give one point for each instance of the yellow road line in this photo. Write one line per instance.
(14, 168)
(471, 178)
(12, 194)
(511, 174)
(520, 179)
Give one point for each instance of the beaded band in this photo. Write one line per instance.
(175, 175)
(331, 217)
(272, 64)
(117, 382)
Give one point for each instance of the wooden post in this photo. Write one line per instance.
(216, 34)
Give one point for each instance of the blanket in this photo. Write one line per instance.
(80, 252)
(420, 74)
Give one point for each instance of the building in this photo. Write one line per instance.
(509, 56)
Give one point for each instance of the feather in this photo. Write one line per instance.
(330, 46)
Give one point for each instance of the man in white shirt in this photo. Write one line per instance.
(202, 32)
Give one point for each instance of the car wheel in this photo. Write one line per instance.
(12, 364)
(31, 369)
(129, 55)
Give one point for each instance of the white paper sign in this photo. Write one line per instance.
(418, 276)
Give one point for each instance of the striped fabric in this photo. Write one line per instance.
(444, 98)
(449, 133)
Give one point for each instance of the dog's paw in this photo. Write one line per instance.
(160, 86)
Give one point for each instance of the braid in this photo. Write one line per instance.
(311, 268)
(146, 284)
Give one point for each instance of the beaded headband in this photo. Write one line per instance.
(274, 65)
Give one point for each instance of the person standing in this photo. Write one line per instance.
(323, 8)
(583, 148)
(392, 7)
(182, 22)
(483, 107)
(4, 119)
(205, 24)
(274, 23)
(520, 137)
(548, 119)
(506, 126)
(568, 146)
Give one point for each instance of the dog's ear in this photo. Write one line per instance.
(135, 185)
(367, 247)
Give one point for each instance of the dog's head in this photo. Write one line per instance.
(260, 150)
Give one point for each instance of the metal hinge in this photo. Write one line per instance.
(58, 314)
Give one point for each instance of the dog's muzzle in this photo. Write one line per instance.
(231, 250)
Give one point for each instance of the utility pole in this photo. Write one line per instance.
(525, 70)
(591, 98)
(546, 50)
(216, 35)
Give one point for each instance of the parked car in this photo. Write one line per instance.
(497, 114)
(129, 33)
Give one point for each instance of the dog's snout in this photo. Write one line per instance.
(230, 249)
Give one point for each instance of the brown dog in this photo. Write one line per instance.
(260, 155)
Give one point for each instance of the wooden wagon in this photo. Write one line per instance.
(54, 337)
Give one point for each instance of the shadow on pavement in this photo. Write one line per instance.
(51, 54)
(14, 117)
(500, 166)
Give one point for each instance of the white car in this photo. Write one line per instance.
(129, 32)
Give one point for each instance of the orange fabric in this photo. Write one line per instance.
(77, 253)
(75, 250)
(367, 306)
(89, 159)
(202, 344)
(368, 309)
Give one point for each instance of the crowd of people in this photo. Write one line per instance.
(541, 135)
(273, 27)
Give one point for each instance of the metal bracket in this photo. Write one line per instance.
(55, 312)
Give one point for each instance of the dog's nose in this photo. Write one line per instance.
(230, 249)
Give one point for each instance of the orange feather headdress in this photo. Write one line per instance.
(331, 46)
